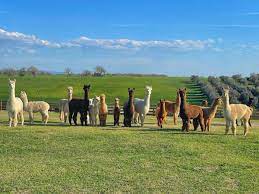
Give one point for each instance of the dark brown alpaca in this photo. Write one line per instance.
(188, 112)
(161, 115)
(116, 112)
(129, 108)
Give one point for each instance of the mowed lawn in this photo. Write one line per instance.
(60, 158)
(51, 88)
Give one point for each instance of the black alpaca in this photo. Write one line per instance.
(129, 109)
(81, 106)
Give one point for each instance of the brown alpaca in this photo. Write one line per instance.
(161, 115)
(172, 107)
(188, 112)
(103, 111)
(116, 112)
(210, 112)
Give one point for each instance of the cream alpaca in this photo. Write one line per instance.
(63, 105)
(142, 106)
(210, 112)
(232, 112)
(94, 110)
(14, 106)
(35, 106)
(103, 111)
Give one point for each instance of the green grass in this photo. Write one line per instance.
(53, 87)
(60, 158)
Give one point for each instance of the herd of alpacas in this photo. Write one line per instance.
(134, 110)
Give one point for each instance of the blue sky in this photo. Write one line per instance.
(175, 37)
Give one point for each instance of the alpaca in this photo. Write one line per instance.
(129, 109)
(188, 112)
(161, 115)
(81, 106)
(63, 105)
(14, 106)
(172, 108)
(116, 112)
(35, 106)
(94, 110)
(142, 105)
(232, 112)
(103, 111)
(210, 112)
(250, 104)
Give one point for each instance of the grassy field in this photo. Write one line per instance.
(53, 87)
(60, 158)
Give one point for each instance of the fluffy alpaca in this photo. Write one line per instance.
(116, 112)
(14, 106)
(210, 112)
(161, 115)
(172, 108)
(34, 107)
(103, 111)
(94, 110)
(129, 109)
(188, 112)
(81, 106)
(142, 106)
(232, 112)
(63, 105)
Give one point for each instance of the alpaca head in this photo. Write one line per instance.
(182, 93)
(23, 95)
(117, 101)
(162, 105)
(70, 90)
(131, 92)
(86, 88)
(96, 100)
(217, 101)
(148, 90)
(12, 84)
(91, 101)
(102, 98)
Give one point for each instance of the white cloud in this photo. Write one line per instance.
(31, 42)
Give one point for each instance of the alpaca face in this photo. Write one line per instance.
(23, 95)
(117, 101)
(96, 100)
(12, 83)
(148, 90)
(102, 98)
(70, 90)
(131, 92)
(86, 88)
(182, 93)
(218, 101)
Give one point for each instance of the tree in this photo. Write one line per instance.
(22, 71)
(99, 71)
(68, 71)
(33, 70)
(86, 73)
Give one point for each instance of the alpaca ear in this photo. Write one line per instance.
(133, 88)
(14, 80)
(128, 89)
(89, 86)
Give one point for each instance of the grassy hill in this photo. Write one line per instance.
(53, 87)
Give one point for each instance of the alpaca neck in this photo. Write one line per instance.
(214, 107)
(86, 96)
(69, 96)
(25, 102)
(178, 100)
(12, 95)
(182, 104)
(226, 102)
(147, 99)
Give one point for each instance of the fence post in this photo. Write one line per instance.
(1, 105)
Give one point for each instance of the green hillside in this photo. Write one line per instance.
(53, 87)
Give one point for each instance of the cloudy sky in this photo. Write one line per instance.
(174, 37)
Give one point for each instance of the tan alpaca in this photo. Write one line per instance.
(210, 112)
(103, 111)
(63, 105)
(232, 112)
(14, 106)
(35, 106)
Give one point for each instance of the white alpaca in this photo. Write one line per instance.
(142, 105)
(94, 110)
(14, 106)
(63, 105)
(232, 112)
(35, 106)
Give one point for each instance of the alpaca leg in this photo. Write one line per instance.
(135, 117)
(233, 127)
(46, 118)
(246, 126)
(22, 118)
(188, 125)
(142, 119)
(195, 124)
(82, 118)
(208, 125)
(10, 116)
(31, 117)
(201, 121)
(75, 118)
(249, 122)
(65, 117)
(15, 119)
(184, 125)
(70, 118)
(175, 122)
(227, 126)
(237, 123)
